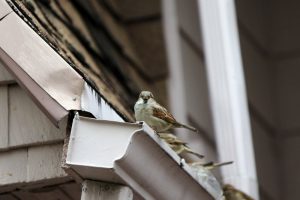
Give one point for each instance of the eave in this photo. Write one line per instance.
(134, 155)
(48, 79)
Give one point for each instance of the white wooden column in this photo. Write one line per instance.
(228, 93)
(92, 190)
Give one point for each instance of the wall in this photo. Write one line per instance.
(194, 76)
(270, 49)
(30, 145)
(261, 90)
(270, 42)
(260, 81)
(285, 28)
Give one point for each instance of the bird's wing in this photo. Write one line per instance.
(162, 113)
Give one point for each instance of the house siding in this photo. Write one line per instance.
(30, 145)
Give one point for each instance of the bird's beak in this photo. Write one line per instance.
(145, 99)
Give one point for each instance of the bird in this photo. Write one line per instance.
(231, 193)
(211, 165)
(178, 145)
(156, 116)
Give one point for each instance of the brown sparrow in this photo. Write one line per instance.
(210, 165)
(231, 193)
(157, 117)
(178, 145)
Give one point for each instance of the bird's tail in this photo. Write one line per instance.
(194, 153)
(212, 165)
(189, 127)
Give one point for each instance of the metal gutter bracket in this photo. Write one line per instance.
(134, 155)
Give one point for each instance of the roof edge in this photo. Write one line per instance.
(51, 108)
(48, 78)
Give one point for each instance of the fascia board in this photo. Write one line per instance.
(132, 154)
(54, 111)
(54, 86)
(49, 80)
(37, 59)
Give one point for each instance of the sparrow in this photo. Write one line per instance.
(156, 116)
(231, 193)
(178, 145)
(211, 165)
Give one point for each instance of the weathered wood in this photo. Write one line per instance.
(44, 162)
(13, 167)
(140, 9)
(3, 117)
(5, 76)
(53, 193)
(32, 167)
(27, 124)
(24, 195)
(7, 197)
(92, 190)
(72, 189)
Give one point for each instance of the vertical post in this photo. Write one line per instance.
(176, 78)
(92, 190)
(228, 93)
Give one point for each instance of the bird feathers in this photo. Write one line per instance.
(162, 113)
(148, 110)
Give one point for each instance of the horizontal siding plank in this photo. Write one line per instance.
(32, 167)
(27, 124)
(44, 162)
(3, 117)
(13, 167)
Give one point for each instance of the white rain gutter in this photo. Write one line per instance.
(134, 155)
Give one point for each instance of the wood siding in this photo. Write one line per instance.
(3, 116)
(65, 191)
(39, 164)
(30, 145)
(261, 93)
(269, 37)
(187, 85)
(27, 124)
